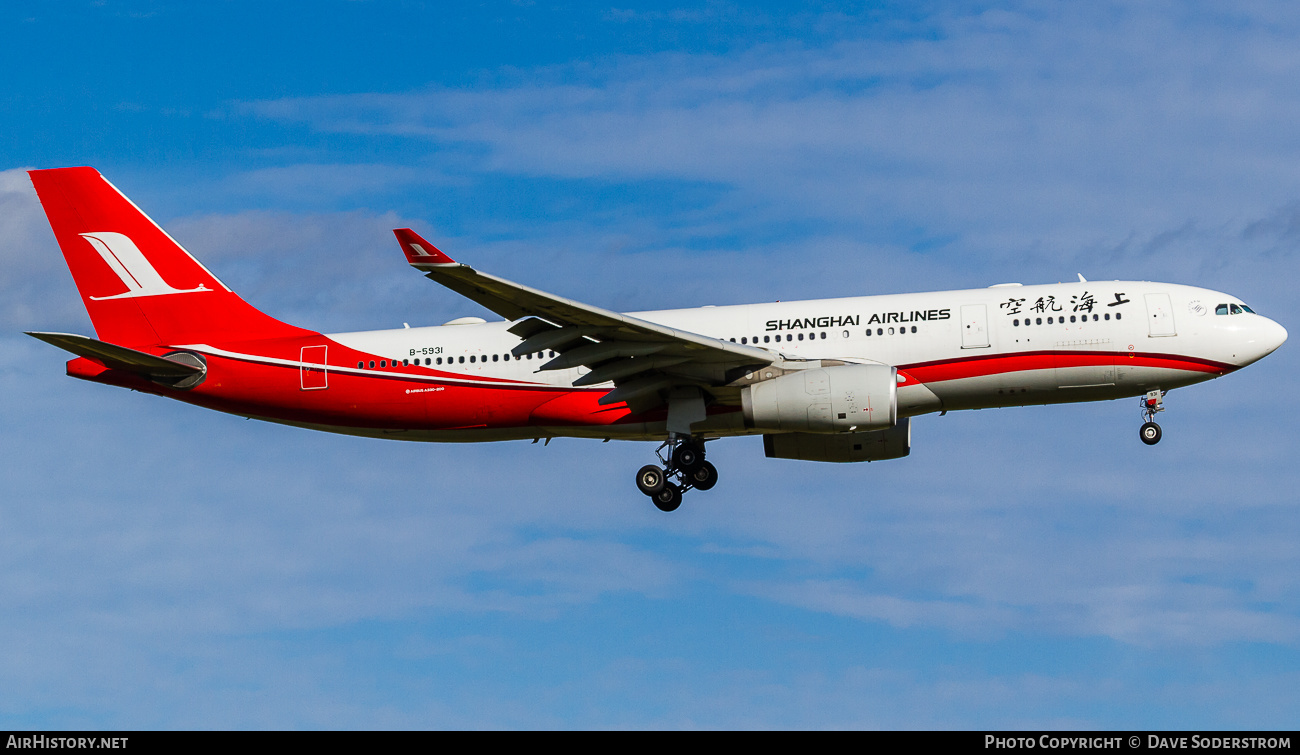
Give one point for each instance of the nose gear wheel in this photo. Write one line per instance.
(1152, 403)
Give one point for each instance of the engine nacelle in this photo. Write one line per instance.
(894, 443)
(847, 398)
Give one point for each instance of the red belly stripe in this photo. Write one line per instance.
(995, 364)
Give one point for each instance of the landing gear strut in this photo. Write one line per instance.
(683, 468)
(1152, 403)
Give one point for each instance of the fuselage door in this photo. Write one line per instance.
(312, 372)
(974, 326)
(1160, 315)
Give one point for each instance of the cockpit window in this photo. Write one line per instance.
(1247, 309)
(1234, 309)
(1222, 309)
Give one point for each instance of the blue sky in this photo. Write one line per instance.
(162, 566)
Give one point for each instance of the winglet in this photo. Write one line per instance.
(420, 253)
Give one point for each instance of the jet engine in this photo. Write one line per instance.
(894, 443)
(843, 399)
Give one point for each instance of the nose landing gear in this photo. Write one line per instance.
(1152, 403)
(683, 468)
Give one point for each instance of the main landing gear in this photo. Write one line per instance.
(1152, 403)
(683, 468)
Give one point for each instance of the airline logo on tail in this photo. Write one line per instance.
(130, 264)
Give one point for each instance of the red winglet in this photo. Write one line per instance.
(418, 251)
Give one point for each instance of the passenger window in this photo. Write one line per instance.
(372, 364)
(913, 328)
(1107, 315)
(880, 331)
(766, 339)
(383, 363)
(868, 332)
(439, 360)
(462, 360)
(1040, 320)
(823, 335)
(1118, 315)
(801, 336)
(405, 363)
(743, 341)
(361, 365)
(891, 331)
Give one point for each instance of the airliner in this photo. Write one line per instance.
(833, 380)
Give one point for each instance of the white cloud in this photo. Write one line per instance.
(1056, 125)
(317, 182)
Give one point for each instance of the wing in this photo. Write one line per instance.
(645, 361)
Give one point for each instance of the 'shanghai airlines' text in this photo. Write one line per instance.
(876, 319)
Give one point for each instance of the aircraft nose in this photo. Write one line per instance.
(1273, 337)
(1256, 338)
(1263, 338)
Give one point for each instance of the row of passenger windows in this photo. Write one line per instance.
(1061, 319)
(788, 337)
(890, 331)
(815, 336)
(432, 361)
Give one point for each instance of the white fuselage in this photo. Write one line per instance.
(1006, 345)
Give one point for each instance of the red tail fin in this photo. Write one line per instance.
(140, 287)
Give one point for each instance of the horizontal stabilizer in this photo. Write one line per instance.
(118, 357)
